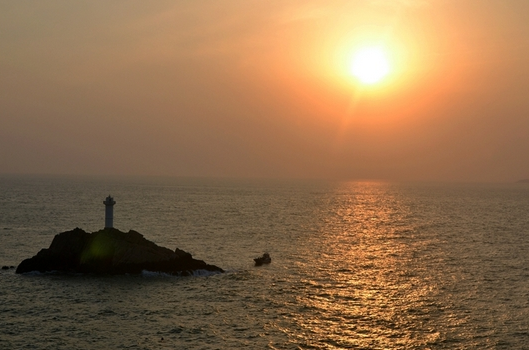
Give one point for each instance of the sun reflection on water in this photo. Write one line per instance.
(368, 290)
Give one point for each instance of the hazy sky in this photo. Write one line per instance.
(262, 89)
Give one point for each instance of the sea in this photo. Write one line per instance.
(355, 265)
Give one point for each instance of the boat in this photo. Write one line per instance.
(264, 259)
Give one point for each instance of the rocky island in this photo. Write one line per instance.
(110, 251)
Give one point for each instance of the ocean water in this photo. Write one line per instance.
(355, 265)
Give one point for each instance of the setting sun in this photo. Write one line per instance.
(370, 65)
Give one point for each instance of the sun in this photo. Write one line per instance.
(370, 65)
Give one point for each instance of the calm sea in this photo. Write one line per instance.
(355, 265)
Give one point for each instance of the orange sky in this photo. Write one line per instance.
(262, 89)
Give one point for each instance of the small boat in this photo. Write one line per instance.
(264, 259)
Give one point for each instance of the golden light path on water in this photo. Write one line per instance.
(371, 292)
(365, 265)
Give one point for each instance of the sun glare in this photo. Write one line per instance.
(370, 65)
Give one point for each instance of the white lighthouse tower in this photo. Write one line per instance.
(109, 212)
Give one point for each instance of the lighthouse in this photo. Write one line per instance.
(109, 212)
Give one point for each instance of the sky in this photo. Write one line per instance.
(248, 88)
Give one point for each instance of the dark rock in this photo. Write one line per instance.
(111, 251)
(5, 267)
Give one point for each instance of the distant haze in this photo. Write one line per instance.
(260, 89)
